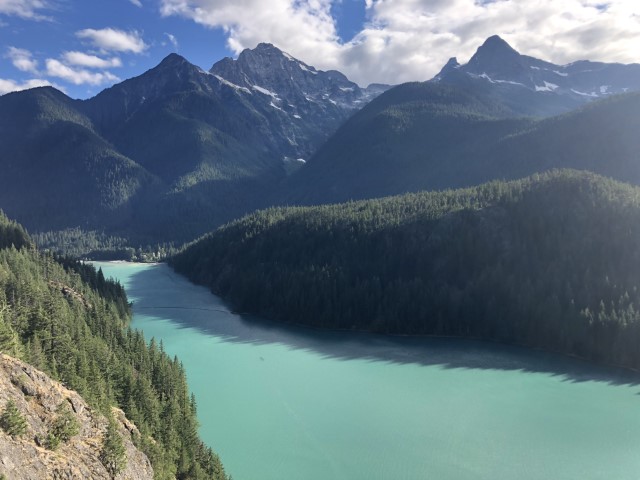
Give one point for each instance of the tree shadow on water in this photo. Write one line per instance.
(160, 292)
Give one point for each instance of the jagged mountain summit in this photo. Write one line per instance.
(558, 88)
(306, 102)
(292, 80)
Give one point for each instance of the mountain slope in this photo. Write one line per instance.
(164, 155)
(240, 119)
(173, 119)
(56, 169)
(409, 140)
(550, 261)
(601, 137)
(318, 101)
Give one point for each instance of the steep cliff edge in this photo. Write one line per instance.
(38, 398)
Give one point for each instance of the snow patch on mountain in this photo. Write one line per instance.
(229, 84)
(483, 75)
(510, 82)
(304, 67)
(264, 91)
(271, 104)
(548, 87)
(584, 94)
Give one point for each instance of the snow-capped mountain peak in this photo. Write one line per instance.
(497, 63)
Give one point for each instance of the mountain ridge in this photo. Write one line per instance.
(559, 88)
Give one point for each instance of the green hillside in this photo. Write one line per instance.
(76, 178)
(66, 319)
(550, 261)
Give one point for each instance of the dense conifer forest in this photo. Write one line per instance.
(66, 319)
(549, 261)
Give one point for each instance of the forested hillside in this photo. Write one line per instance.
(57, 170)
(550, 261)
(66, 319)
(430, 136)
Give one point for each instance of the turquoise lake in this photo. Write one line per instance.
(278, 402)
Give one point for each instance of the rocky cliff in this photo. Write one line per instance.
(38, 398)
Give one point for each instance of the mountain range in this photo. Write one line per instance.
(177, 151)
(176, 147)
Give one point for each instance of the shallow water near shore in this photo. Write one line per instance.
(285, 402)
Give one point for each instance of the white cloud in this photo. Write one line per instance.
(22, 59)
(8, 85)
(82, 59)
(172, 39)
(24, 8)
(77, 76)
(113, 40)
(137, 3)
(412, 39)
(306, 24)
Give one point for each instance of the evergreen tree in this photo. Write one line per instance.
(9, 341)
(12, 421)
(113, 455)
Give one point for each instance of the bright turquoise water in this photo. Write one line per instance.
(279, 402)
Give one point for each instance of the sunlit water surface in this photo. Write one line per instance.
(279, 402)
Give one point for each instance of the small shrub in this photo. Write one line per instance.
(52, 442)
(64, 427)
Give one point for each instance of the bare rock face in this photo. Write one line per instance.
(37, 397)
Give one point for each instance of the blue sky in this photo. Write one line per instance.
(83, 46)
(51, 38)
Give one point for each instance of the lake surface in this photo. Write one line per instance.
(279, 402)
